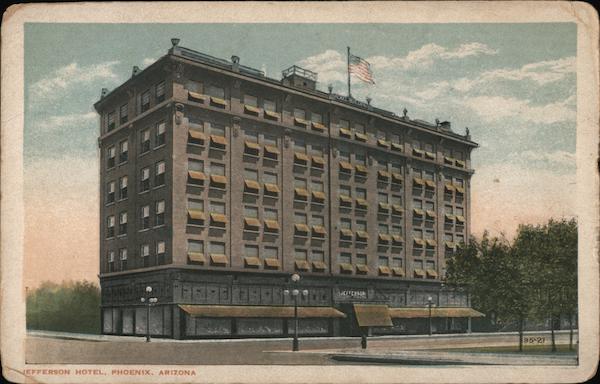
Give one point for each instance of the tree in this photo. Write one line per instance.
(69, 306)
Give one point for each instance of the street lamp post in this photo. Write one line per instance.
(429, 304)
(295, 293)
(148, 301)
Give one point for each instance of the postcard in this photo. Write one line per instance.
(335, 192)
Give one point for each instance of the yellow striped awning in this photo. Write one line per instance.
(252, 110)
(197, 97)
(346, 268)
(318, 126)
(195, 214)
(300, 157)
(251, 185)
(271, 115)
(218, 259)
(218, 101)
(252, 262)
(372, 315)
(196, 257)
(345, 133)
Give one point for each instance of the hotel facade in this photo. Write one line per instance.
(218, 183)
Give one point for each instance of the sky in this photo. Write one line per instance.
(512, 85)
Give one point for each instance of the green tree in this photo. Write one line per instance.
(69, 307)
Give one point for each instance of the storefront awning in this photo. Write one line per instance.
(413, 313)
(372, 315)
(260, 311)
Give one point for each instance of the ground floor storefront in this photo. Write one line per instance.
(192, 304)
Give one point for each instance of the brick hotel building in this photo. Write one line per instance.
(218, 183)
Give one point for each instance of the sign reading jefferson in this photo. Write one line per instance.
(352, 294)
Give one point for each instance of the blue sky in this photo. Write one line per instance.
(513, 85)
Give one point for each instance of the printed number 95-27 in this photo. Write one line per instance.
(534, 340)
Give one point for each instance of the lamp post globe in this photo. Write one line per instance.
(148, 289)
(305, 292)
(295, 277)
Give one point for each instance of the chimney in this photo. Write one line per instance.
(235, 66)
(135, 70)
(103, 93)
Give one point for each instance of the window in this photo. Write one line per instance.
(159, 178)
(417, 264)
(300, 183)
(270, 140)
(345, 190)
(448, 237)
(160, 134)
(384, 228)
(145, 217)
(251, 174)
(361, 259)
(397, 262)
(251, 250)
(216, 247)
(195, 212)
(396, 168)
(145, 140)
(381, 134)
(159, 213)
(270, 214)
(195, 165)
(360, 158)
(316, 150)
(123, 223)
(145, 253)
(217, 169)
(124, 151)
(345, 223)
(316, 186)
(427, 175)
(383, 198)
(417, 204)
(344, 156)
(215, 91)
(459, 182)
(251, 136)
(460, 211)
(110, 226)
(460, 238)
(194, 86)
(317, 220)
(270, 178)
(299, 145)
(430, 264)
(269, 105)
(361, 225)
(300, 218)
(124, 113)
(111, 153)
(397, 200)
(216, 207)
(345, 124)
(418, 233)
(251, 212)
(196, 246)
(217, 129)
(429, 205)
(300, 254)
(359, 128)
(345, 258)
(316, 117)
(111, 121)
(123, 257)
(429, 235)
(111, 261)
(160, 252)
(360, 193)
(448, 209)
(251, 100)
(271, 253)
(145, 179)
(382, 164)
(145, 101)
(383, 261)
(110, 192)
(299, 113)
(160, 92)
(316, 255)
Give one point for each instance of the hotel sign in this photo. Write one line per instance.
(356, 294)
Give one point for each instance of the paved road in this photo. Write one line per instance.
(55, 348)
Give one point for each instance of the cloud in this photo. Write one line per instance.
(541, 73)
(428, 54)
(330, 65)
(555, 157)
(53, 123)
(148, 61)
(69, 76)
(495, 108)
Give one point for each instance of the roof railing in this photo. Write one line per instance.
(294, 69)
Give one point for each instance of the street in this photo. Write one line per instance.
(49, 348)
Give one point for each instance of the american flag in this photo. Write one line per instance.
(361, 68)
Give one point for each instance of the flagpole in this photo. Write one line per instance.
(349, 94)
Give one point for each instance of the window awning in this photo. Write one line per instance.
(418, 212)
(384, 207)
(271, 188)
(302, 265)
(372, 315)
(196, 175)
(195, 96)
(301, 228)
(318, 161)
(252, 262)
(449, 188)
(218, 101)
(430, 155)
(362, 203)
(251, 109)
(346, 166)
(397, 147)
(430, 184)
(361, 268)
(384, 270)
(301, 192)
(318, 126)
(317, 195)
(300, 157)
(346, 233)
(252, 185)
(383, 143)
(272, 225)
(299, 121)
(431, 273)
(450, 244)
(218, 140)
(195, 214)
(418, 241)
(218, 218)
(448, 160)
(251, 222)
(271, 115)
(397, 177)
(460, 218)
(218, 259)
(319, 230)
(397, 208)
(196, 257)
(271, 150)
(419, 272)
(362, 235)
(346, 267)
(345, 133)
(397, 239)
(418, 181)
(361, 168)
(460, 163)
(412, 313)
(398, 271)
(251, 146)
(459, 189)
(319, 265)
(272, 263)
(383, 174)
(449, 217)
(384, 238)
(431, 214)
(360, 136)
(197, 135)
(345, 199)
(218, 179)
(418, 152)
(246, 311)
